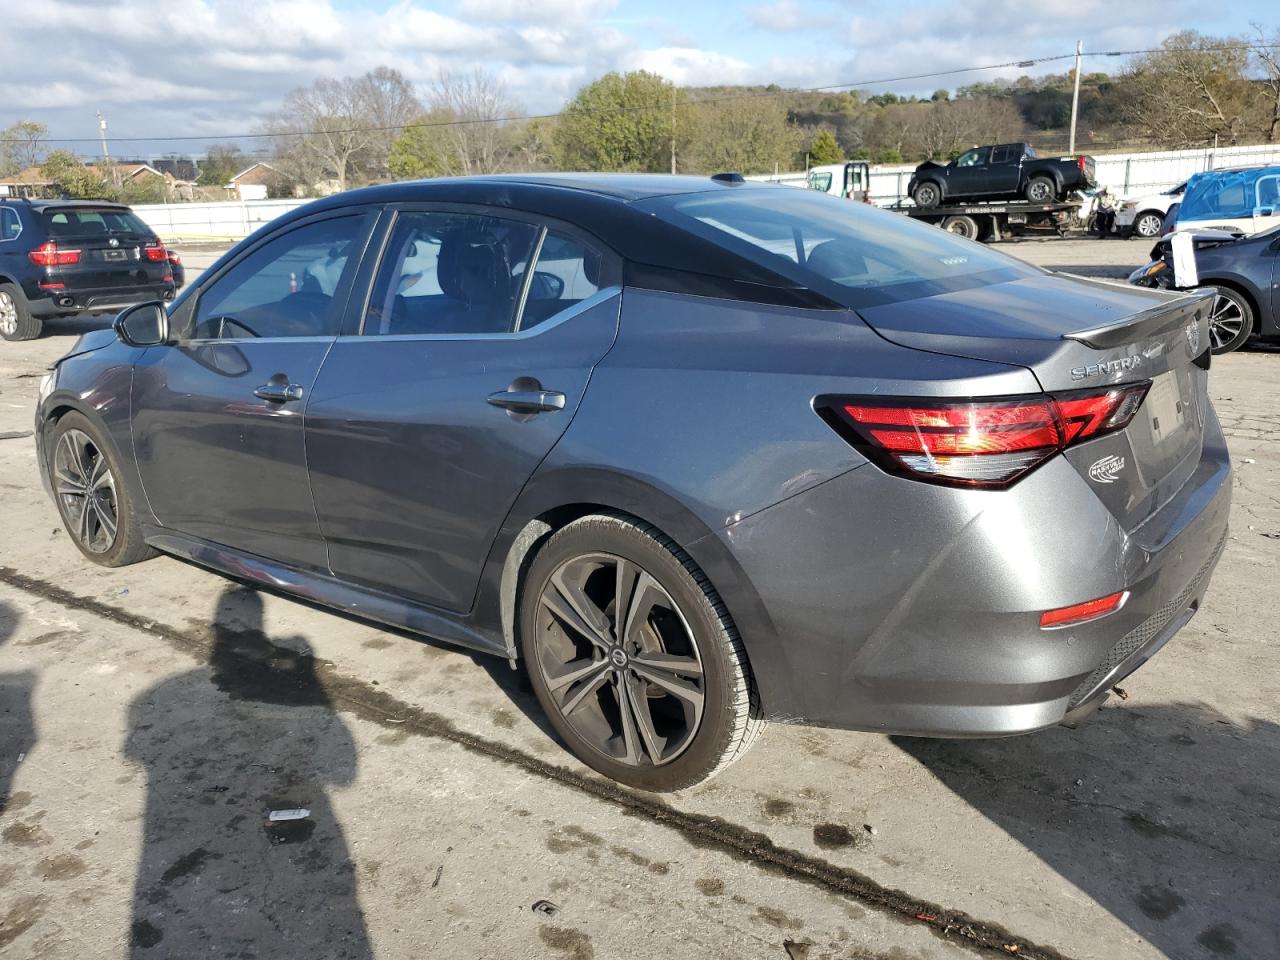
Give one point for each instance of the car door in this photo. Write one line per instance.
(1005, 169)
(967, 176)
(466, 368)
(218, 412)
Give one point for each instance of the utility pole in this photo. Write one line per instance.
(673, 127)
(1075, 97)
(106, 156)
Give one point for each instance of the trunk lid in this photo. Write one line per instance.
(1076, 335)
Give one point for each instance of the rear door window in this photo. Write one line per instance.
(10, 225)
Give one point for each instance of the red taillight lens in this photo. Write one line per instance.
(983, 443)
(51, 255)
(155, 251)
(51, 285)
(1080, 163)
(1083, 612)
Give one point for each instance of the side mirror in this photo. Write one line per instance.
(143, 324)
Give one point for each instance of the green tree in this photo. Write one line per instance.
(744, 136)
(623, 122)
(825, 149)
(21, 146)
(67, 175)
(417, 153)
(222, 162)
(940, 95)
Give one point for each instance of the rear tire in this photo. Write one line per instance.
(1041, 190)
(927, 194)
(1230, 320)
(661, 706)
(16, 321)
(95, 507)
(961, 226)
(1148, 225)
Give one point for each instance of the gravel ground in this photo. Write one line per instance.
(151, 717)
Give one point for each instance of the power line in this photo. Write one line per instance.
(426, 124)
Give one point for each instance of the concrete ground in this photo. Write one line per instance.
(151, 717)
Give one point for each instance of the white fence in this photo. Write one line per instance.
(229, 220)
(1127, 174)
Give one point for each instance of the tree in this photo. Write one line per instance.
(825, 149)
(745, 136)
(1265, 53)
(387, 102)
(940, 95)
(623, 121)
(68, 176)
(21, 146)
(465, 129)
(1193, 89)
(418, 152)
(222, 162)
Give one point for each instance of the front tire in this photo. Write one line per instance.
(1041, 190)
(633, 656)
(16, 321)
(1148, 225)
(95, 506)
(927, 194)
(1230, 320)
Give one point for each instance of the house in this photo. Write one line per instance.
(252, 182)
(25, 183)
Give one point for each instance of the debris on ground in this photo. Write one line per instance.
(797, 949)
(1120, 692)
(869, 828)
(15, 434)
(439, 872)
(545, 908)
(297, 813)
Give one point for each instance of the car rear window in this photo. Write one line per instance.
(854, 253)
(90, 221)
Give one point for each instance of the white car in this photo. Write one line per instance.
(1144, 216)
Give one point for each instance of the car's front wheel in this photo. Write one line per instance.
(1230, 320)
(16, 321)
(95, 505)
(927, 194)
(633, 656)
(1148, 224)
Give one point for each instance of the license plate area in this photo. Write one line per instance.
(1168, 411)
(114, 256)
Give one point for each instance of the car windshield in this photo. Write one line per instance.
(854, 253)
(1232, 194)
(91, 221)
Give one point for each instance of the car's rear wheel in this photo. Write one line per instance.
(633, 656)
(1230, 320)
(1041, 190)
(927, 194)
(1148, 224)
(16, 321)
(961, 226)
(95, 506)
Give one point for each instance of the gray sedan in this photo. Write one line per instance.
(695, 453)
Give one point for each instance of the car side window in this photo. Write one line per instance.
(566, 272)
(1268, 193)
(452, 273)
(10, 225)
(284, 288)
(1001, 155)
(974, 158)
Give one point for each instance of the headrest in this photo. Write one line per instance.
(836, 258)
(473, 268)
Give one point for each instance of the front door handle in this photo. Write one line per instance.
(279, 392)
(528, 401)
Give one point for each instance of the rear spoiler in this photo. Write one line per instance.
(1148, 323)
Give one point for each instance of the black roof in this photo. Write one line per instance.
(56, 204)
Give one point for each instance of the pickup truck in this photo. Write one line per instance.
(1000, 171)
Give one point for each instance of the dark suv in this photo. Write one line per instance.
(63, 257)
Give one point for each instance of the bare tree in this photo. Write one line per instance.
(22, 145)
(1192, 90)
(1265, 53)
(475, 139)
(387, 102)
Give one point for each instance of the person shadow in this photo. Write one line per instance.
(17, 721)
(222, 747)
(1167, 816)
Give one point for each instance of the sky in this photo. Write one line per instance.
(211, 69)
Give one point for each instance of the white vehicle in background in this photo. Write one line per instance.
(1144, 216)
(850, 180)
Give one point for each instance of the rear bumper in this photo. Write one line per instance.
(103, 300)
(905, 608)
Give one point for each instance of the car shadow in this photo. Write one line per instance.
(75, 326)
(223, 746)
(1167, 816)
(17, 719)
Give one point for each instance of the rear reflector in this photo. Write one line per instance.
(51, 285)
(986, 443)
(1083, 612)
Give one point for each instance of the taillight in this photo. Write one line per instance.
(155, 251)
(49, 254)
(1080, 163)
(977, 443)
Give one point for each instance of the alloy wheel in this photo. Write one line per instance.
(1226, 320)
(86, 491)
(1149, 225)
(8, 314)
(619, 660)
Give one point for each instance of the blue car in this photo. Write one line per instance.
(696, 453)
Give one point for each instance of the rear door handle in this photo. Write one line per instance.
(279, 392)
(528, 401)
